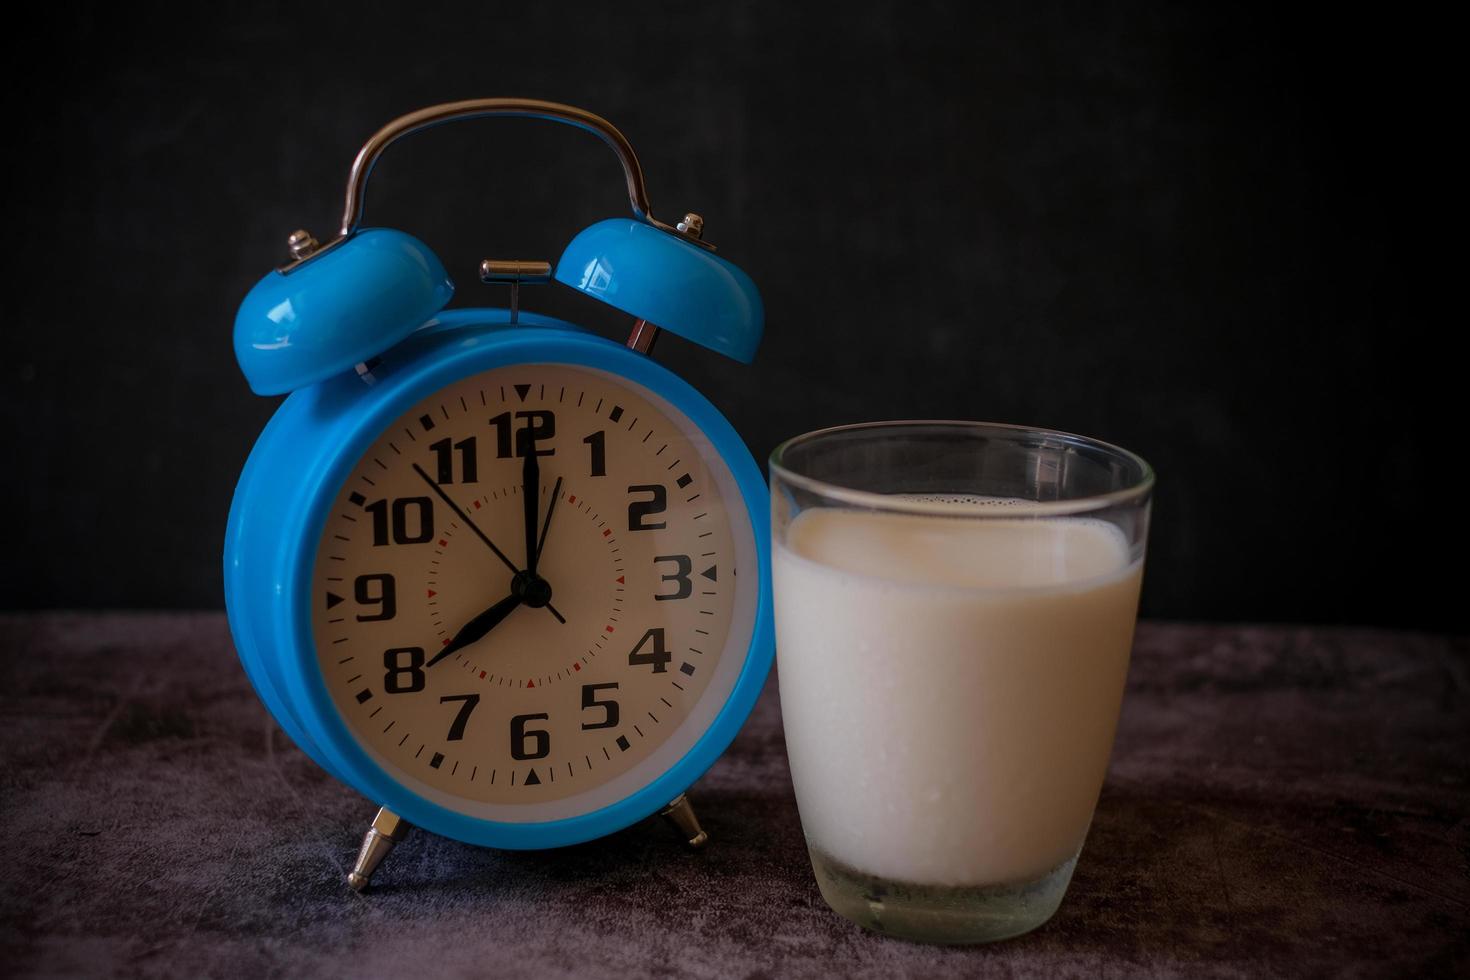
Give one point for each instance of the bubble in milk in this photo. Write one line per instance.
(965, 500)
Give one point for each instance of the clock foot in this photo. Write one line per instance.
(681, 815)
(388, 829)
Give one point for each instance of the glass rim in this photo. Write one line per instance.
(873, 500)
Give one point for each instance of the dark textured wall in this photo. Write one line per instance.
(1179, 230)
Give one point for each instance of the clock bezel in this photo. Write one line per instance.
(313, 447)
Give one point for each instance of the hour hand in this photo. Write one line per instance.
(478, 627)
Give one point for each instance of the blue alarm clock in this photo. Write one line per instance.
(506, 578)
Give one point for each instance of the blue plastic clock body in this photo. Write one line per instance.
(302, 460)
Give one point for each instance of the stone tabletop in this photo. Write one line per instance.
(1281, 801)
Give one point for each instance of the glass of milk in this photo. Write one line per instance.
(955, 605)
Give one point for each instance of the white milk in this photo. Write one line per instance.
(950, 687)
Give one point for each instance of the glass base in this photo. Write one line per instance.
(940, 913)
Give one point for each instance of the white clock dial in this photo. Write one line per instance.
(533, 696)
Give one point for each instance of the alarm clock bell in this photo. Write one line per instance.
(338, 306)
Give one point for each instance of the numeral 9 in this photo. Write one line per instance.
(376, 590)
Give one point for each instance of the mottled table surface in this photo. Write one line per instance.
(1282, 801)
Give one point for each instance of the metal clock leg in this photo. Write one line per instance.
(388, 829)
(681, 815)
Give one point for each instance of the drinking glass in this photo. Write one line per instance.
(955, 604)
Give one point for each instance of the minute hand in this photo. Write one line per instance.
(531, 491)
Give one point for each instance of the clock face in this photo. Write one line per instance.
(518, 695)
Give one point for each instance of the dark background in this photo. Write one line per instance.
(1193, 232)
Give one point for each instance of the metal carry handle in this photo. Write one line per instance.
(434, 115)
